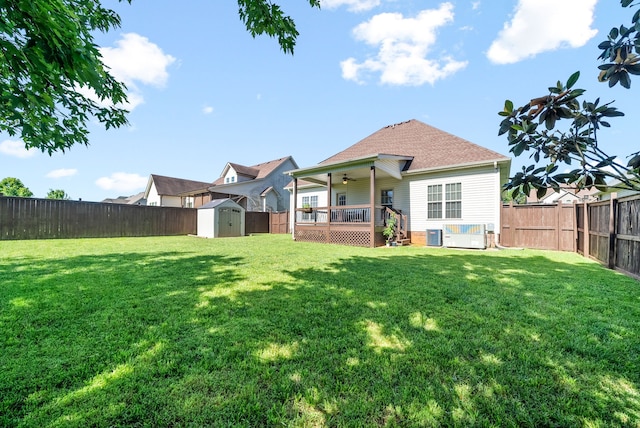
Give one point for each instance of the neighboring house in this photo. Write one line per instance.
(620, 193)
(422, 176)
(168, 191)
(566, 195)
(256, 188)
(137, 199)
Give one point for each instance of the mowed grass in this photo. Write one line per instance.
(264, 331)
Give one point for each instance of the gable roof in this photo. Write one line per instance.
(255, 172)
(430, 147)
(248, 171)
(171, 186)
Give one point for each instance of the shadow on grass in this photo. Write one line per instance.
(414, 340)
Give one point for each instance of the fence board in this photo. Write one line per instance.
(279, 222)
(608, 231)
(31, 218)
(256, 222)
(542, 226)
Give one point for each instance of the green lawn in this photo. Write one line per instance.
(264, 331)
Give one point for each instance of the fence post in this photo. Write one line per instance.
(558, 224)
(575, 226)
(586, 226)
(613, 214)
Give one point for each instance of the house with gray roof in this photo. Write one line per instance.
(166, 191)
(421, 177)
(257, 187)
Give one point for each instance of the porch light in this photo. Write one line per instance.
(345, 180)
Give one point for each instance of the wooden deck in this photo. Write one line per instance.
(346, 225)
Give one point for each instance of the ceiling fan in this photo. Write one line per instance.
(346, 180)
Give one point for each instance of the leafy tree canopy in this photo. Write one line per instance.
(11, 186)
(52, 79)
(535, 127)
(57, 194)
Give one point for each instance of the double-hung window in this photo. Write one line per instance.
(450, 194)
(309, 201)
(453, 200)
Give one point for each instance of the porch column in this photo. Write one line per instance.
(292, 220)
(328, 208)
(372, 201)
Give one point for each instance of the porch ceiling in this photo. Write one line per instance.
(386, 166)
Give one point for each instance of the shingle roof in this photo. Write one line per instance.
(257, 172)
(429, 146)
(170, 186)
(245, 170)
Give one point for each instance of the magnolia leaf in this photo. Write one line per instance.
(573, 79)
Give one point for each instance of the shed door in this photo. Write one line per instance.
(228, 222)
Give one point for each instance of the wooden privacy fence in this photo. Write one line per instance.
(543, 226)
(30, 218)
(256, 222)
(279, 222)
(608, 231)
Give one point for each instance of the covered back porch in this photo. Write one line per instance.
(337, 221)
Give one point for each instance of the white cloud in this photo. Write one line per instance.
(403, 46)
(352, 5)
(17, 149)
(63, 172)
(122, 181)
(134, 61)
(207, 110)
(543, 25)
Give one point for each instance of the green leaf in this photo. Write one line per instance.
(573, 79)
(508, 106)
(550, 121)
(613, 34)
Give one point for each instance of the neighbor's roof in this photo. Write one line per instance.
(430, 147)
(171, 186)
(255, 172)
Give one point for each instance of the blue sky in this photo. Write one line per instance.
(203, 92)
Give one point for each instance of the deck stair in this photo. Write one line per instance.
(400, 237)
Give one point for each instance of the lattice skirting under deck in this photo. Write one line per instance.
(356, 238)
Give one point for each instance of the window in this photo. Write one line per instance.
(226, 180)
(309, 201)
(233, 179)
(386, 198)
(434, 201)
(342, 199)
(452, 198)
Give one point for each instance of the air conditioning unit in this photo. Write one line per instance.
(464, 236)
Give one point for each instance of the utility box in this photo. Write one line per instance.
(464, 236)
(434, 238)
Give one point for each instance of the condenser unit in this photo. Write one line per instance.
(464, 236)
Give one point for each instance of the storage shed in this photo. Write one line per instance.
(221, 218)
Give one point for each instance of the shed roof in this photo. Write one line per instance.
(217, 202)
